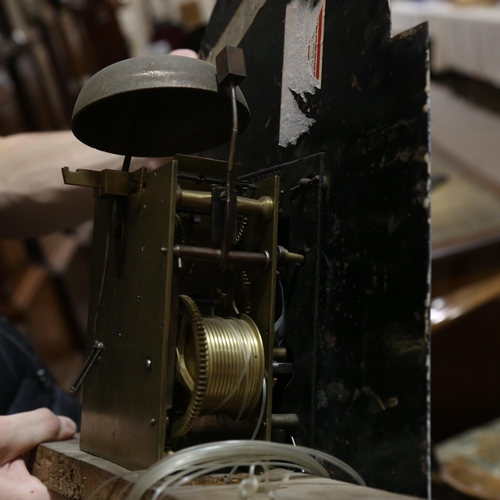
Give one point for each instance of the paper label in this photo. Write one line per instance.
(302, 66)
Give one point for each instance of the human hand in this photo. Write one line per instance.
(184, 53)
(18, 434)
(33, 198)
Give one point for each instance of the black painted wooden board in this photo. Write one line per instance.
(367, 353)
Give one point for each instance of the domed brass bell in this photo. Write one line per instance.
(156, 106)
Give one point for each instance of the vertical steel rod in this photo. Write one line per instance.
(126, 163)
(226, 239)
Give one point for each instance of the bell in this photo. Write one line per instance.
(156, 106)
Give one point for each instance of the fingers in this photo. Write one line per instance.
(184, 52)
(16, 483)
(12, 488)
(21, 432)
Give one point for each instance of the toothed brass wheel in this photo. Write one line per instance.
(220, 365)
(192, 363)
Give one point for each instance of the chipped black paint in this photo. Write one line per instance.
(357, 316)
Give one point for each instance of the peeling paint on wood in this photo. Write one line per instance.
(302, 67)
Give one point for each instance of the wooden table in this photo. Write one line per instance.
(75, 474)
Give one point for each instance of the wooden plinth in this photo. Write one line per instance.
(75, 474)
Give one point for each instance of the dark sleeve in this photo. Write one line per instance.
(25, 382)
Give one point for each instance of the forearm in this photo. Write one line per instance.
(33, 197)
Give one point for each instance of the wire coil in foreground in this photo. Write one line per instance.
(196, 461)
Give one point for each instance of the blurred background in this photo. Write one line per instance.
(465, 309)
(49, 48)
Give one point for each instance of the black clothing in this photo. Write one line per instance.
(25, 382)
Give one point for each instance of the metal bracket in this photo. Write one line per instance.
(110, 183)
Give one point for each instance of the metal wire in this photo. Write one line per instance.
(105, 266)
(209, 457)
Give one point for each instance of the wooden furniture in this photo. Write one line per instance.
(44, 292)
(465, 38)
(52, 48)
(465, 292)
(48, 49)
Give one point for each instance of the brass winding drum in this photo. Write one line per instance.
(220, 361)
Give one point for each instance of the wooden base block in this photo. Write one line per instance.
(75, 474)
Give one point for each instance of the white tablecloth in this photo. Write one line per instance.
(465, 39)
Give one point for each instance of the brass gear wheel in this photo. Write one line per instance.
(220, 362)
(191, 322)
